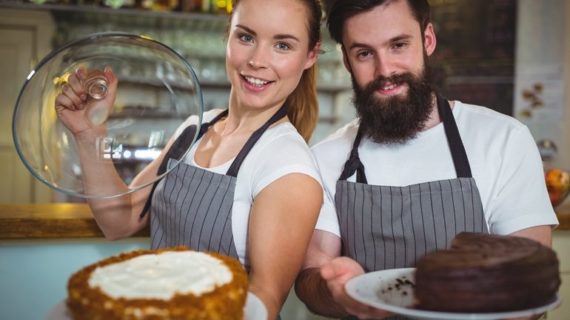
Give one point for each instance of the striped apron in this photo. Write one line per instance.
(386, 227)
(192, 206)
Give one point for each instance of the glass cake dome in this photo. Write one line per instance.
(156, 94)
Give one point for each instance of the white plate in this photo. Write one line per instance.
(373, 289)
(254, 310)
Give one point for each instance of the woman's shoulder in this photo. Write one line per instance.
(283, 136)
(280, 151)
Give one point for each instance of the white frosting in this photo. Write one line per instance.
(160, 276)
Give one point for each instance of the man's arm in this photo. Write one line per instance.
(542, 234)
(310, 287)
(321, 283)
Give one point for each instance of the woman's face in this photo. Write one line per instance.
(267, 51)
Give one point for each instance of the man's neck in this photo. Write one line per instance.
(434, 118)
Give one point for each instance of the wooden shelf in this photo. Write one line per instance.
(125, 16)
(49, 221)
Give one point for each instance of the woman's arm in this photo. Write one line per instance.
(282, 220)
(117, 217)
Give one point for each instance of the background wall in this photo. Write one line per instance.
(543, 59)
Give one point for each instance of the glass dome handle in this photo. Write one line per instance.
(96, 86)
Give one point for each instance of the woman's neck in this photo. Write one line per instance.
(245, 119)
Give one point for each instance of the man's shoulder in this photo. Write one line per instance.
(475, 114)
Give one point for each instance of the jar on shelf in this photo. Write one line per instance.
(160, 5)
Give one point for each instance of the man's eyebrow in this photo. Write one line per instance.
(391, 40)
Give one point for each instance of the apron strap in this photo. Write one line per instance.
(458, 154)
(235, 166)
(177, 150)
(460, 160)
(183, 142)
(354, 164)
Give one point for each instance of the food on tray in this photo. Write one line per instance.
(487, 273)
(174, 283)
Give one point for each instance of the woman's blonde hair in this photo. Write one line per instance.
(303, 102)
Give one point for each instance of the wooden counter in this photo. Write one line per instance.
(564, 219)
(45, 221)
(68, 220)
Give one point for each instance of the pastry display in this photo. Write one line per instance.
(487, 273)
(174, 283)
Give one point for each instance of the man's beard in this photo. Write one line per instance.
(395, 119)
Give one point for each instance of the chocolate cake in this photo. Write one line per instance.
(174, 283)
(487, 273)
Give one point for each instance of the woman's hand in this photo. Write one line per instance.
(78, 111)
(336, 273)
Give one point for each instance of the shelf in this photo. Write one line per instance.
(156, 83)
(146, 113)
(193, 35)
(126, 16)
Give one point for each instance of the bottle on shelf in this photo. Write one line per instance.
(190, 6)
(116, 4)
(217, 6)
(222, 6)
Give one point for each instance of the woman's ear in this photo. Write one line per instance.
(313, 55)
(430, 40)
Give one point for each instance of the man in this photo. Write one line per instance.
(414, 169)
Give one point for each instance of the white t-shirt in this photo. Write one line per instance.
(280, 151)
(503, 156)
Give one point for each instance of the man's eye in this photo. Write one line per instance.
(399, 45)
(363, 54)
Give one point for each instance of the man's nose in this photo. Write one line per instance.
(383, 67)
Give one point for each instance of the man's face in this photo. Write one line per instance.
(385, 52)
(397, 118)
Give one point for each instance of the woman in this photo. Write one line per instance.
(248, 187)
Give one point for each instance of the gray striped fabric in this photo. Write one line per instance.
(193, 207)
(385, 227)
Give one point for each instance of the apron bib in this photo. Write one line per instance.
(386, 227)
(192, 206)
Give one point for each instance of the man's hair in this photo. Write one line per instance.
(340, 10)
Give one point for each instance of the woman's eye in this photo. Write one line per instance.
(283, 46)
(245, 37)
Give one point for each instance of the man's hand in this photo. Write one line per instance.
(336, 273)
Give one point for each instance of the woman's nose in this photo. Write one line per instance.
(258, 58)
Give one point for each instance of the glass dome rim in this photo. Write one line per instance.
(80, 41)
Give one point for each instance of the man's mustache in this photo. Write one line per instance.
(396, 79)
